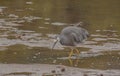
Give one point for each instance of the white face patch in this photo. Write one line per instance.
(57, 39)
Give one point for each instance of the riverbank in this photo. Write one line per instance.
(46, 69)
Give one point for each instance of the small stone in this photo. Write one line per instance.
(85, 75)
(53, 71)
(101, 74)
(63, 70)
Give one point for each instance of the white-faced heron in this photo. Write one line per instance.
(71, 36)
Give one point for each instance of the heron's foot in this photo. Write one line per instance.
(74, 62)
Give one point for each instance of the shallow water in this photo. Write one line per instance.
(28, 29)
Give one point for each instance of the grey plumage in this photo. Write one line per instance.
(72, 35)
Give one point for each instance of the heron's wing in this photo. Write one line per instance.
(80, 35)
(77, 38)
(85, 33)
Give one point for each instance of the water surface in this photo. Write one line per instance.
(28, 28)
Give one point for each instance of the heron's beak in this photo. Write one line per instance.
(56, 40)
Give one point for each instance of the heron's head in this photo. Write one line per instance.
(55, 41)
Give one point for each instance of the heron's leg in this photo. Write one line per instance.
(77, 51)
(71, 62)
(77, 58)
(70, 54)
(76, 62)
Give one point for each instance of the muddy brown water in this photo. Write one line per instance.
(28, 27)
